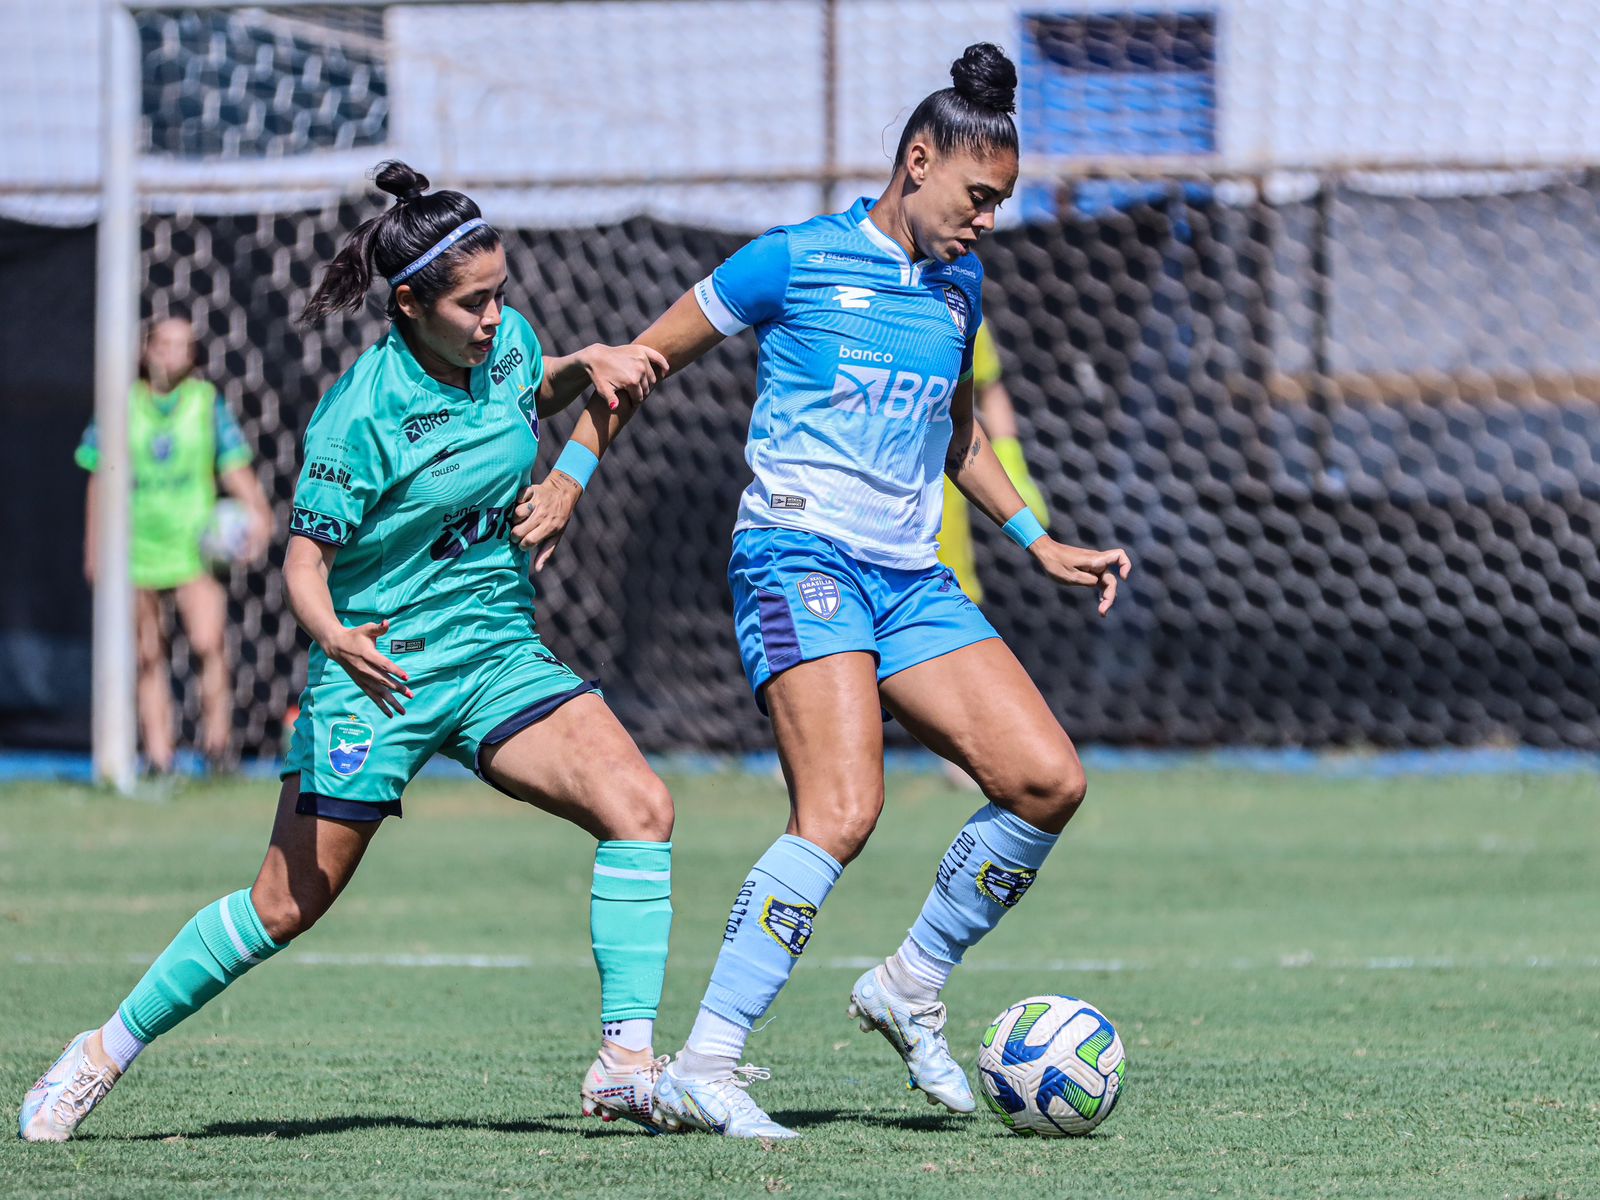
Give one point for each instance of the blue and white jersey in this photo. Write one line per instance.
(861, 349)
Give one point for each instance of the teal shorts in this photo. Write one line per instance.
(354, 762)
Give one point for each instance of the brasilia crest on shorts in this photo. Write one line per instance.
(789, 924)
(960, 308)
(528, 406)
(1002, 886)
(820, 594)
(349, 743)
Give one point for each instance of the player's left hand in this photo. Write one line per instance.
(542, 513)
(1076, 567)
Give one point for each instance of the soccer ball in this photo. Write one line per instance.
(1052, 1066)
(226, 536)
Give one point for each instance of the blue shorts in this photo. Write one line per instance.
(797, 596)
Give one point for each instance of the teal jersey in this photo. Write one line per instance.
(415, 481)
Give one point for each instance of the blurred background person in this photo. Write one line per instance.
(992, 404)
(182, 440)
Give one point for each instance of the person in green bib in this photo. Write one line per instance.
(182, 441)
(421, 613)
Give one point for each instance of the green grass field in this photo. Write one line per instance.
(1383, 989)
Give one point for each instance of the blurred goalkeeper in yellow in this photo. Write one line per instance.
(183, 441)
(994, 412)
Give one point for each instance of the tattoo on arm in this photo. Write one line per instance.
(959, 458)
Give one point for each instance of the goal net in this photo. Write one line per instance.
(1298, 301)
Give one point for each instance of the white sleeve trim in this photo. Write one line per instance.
(718, 313)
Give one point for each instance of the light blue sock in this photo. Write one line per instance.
(989, 866)
(769, 928)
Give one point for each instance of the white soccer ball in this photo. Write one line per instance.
(227, 536)
(1052, 1066)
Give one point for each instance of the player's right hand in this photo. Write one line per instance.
(623, 375)
(356, 650)
(542, 514)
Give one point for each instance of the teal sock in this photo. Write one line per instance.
(630, 916)
(220, 943)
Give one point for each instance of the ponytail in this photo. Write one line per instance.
(387, 244)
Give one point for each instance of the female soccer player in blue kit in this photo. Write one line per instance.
(866, 321)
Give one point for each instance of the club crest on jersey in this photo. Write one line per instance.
(1004, 887)
(528, 406)
(820, 594)
(789, 924)
(958, 304)
(349, 743)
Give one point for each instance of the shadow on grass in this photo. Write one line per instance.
(288, 1130)
(816, 1118)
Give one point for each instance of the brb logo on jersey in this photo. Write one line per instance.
(509, 361)
(420, 426)
(349, 744)
(468, 528)
(897, 395)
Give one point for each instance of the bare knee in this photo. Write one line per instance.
(648, 805)
(151, 656)
(207, 647)
(286, 914)
(841, 827)
(1045, 793)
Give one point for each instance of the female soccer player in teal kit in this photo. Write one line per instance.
(866, 321)
(420, 611)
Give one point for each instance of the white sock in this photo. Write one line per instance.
(635, 1033)
(714, 1046)
(916, 974)
(120, 1045)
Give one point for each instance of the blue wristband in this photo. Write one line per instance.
(1024, 528)
(578, 461)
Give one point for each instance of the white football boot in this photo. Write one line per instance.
(915, 1028)
(716, 1105)
(625, 1092)
(65, 1094)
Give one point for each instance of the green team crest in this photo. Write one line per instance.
(528, 406)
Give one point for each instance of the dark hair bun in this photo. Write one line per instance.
(396, 178)
(984, 76)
